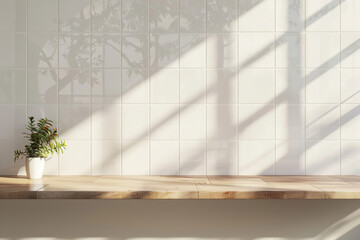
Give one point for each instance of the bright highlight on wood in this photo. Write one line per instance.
(181, 187)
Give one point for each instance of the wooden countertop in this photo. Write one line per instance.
(181, 187)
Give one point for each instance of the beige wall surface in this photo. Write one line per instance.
(179, 219)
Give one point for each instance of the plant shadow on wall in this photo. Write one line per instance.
(161, 52)
(74, 88)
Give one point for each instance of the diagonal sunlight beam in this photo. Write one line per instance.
(316, 72)
(333, 126)
(281, 39)
(265, 109)
(325, 10)
(263, 51)
(340, 228)
(332, 109)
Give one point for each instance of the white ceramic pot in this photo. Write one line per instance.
(35, 167)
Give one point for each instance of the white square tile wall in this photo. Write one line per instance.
(139, 87)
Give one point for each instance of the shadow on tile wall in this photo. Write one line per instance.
(184, 87)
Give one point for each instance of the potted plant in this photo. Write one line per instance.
(43, 141)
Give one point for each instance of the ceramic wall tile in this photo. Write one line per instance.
(249, 12)
(350, 50)
(42, 86)
(323, 158)
(74, 121)
(290, 86)
(76, 159)
(221, 15)
(192, 122)
(350, 122)
(290, 50)
(322, 122)
(74, 86)
(135, 158)
(256, 50)
(106, 51)
(106, 15)
(102, 115)
(135, 86)
(348, 161)
(322, 50)
(13, 87)
(256, 122)
(164, 50)
(290, 122)
(12, 51)
(13, 16)
(221, 158)
(290, 15)
(322, 15)
(290, 158)
(192, 158)
(256, 86)
(7, 165)
(164, 86)
(13, 122)
(106, 86)
(221, 86)
(164, 15)
(135, 15)
(192, 86)
(106, 157)
(135, 122)
(315, 86)
(256, 158)
(221, 122)
(164, 158)
(164, 122)
(192, 50)
(350, 20)
(221, 50)
(42, 15)
(192, 15)
(74, 50)
(74, 16)
(42, 50)
(350, 86)
(135, 50)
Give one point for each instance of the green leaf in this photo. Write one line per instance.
(43, 139)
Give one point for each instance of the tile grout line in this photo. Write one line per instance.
(121, 89)
(210, 32)
(149, 89)
(187, 68)
(340, 100)
(206, 86)
(179, 77)
(237, 97)
(275, 98)
(188, 32)
(90, 79)
(305, 86)
(192, 140)
(222, 104)
(58, 73)
(26, 62)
